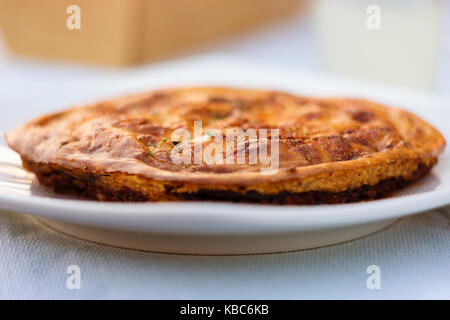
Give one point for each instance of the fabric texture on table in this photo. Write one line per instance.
(413, 255)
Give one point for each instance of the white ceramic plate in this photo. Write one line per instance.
(227, 228)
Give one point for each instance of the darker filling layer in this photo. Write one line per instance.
(63, 183)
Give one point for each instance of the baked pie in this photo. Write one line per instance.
(321, 150)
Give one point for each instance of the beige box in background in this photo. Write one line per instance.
(123, 32)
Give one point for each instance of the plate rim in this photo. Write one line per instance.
(194, 217)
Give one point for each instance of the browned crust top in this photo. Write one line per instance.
(132, 135)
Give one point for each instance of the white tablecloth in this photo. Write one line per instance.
(413, 256)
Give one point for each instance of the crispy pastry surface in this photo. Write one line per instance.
(331, 150)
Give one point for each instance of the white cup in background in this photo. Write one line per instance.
(394, 41)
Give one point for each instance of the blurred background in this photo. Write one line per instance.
(59, 53)
(401, 42)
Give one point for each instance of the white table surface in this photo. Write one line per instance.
(413, 254)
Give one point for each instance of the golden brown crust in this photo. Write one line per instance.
(326, 145)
